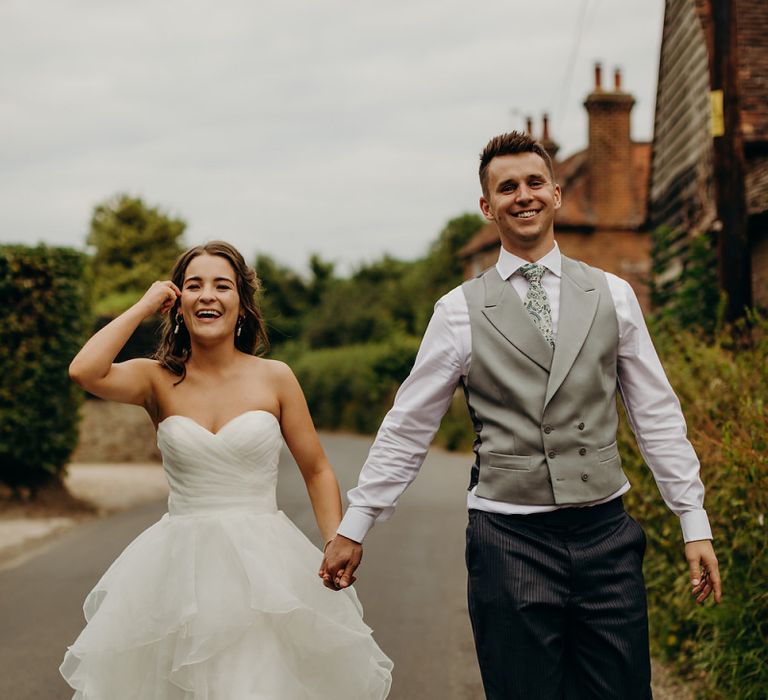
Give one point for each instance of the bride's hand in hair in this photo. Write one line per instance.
(94, 367)
(160, 297)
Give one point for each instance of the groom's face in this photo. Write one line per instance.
(521, 200)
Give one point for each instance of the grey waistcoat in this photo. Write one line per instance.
(545, 420)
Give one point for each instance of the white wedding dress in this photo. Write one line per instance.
(220, 599)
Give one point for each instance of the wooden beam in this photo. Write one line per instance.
(734, 264)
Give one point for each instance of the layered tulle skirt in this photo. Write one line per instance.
(223, 607)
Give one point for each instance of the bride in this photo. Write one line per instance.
(220, 599)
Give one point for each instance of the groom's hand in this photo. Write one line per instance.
(342, 557)
(705, 574)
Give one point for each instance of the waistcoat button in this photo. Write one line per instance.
(583, 451)
(581, 426)
(551, 454)
(547, 429)
(585, 477)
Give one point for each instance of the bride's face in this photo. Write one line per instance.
(210, 303)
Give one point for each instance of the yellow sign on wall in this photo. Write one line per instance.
(716, 119)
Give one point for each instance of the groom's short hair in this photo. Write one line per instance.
(511, 144)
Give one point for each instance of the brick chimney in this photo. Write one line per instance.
(609, 154)
(550, 145)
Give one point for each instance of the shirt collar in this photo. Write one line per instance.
(509, 263)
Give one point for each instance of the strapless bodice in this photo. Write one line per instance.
(234, 469)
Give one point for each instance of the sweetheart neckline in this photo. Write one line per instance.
(229, 422)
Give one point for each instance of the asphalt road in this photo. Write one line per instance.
(411, 583)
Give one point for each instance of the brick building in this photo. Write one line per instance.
(605, 189)
(682, 195)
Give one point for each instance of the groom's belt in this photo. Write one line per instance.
(563, 517)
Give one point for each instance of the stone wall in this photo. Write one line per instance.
(115, 432)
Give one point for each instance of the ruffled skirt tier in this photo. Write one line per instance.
(223, 607)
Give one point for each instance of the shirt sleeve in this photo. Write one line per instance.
(656, 418)
(405, 434)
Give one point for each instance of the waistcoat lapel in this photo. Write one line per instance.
(505, 311)
(578, 305)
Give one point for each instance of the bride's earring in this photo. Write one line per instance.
(239, 326)
(179, 319)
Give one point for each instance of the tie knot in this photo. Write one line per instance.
(533, 272)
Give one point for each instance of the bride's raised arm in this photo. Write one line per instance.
(94, 369)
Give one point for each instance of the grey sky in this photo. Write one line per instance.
(345, 128)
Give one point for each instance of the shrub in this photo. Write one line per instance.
(43, 326)
(722, 385)
(352, 387)
(683, 282)
(143, 340)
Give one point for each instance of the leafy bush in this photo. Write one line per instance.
(43, 326)
(722, 385)
(369, 307)
(143, 341)
(380, 299)
(683, 283)
(288, 300)
(353, 387)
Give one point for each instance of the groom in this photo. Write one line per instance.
(540, 343)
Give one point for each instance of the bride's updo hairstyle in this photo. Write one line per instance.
(174, 349)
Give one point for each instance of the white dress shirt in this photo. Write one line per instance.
(444, 358)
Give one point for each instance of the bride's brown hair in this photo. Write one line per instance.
(173, 349)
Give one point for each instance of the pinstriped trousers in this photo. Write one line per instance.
(558, 606)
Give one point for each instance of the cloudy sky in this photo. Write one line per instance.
(347, 128)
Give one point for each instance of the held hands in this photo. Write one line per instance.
(160, 297)
(705, 575)
(342, 557)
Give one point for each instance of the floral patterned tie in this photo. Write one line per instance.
(536, 301)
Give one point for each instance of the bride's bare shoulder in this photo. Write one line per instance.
(275, 373)
(275, 369)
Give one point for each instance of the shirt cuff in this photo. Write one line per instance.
(695, 525)
(355, 524)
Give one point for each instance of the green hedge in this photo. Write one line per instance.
(44, 322)
(723, 388)
(352, 387)
(143, 341)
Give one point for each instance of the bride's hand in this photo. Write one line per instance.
(160, 297)
(342, 557)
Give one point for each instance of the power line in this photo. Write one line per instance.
(566, 90)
